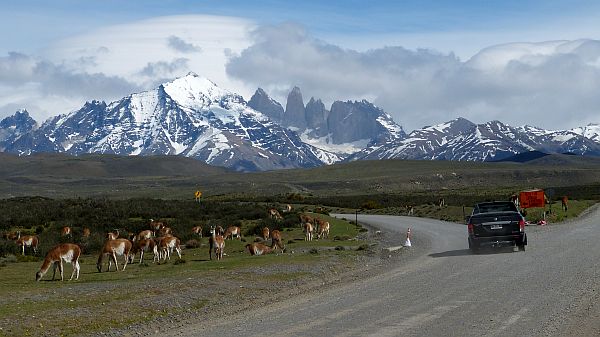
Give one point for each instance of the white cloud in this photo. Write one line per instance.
(163, 40)
(114, 61)
(46, 88)
(519, 83)
(180, 45)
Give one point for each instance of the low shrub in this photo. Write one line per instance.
(27, 258)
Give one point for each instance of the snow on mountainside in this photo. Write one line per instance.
(461, 139)
(13, 127)
(347, 127)
(193, 117)
(190, 116)
(591, 131)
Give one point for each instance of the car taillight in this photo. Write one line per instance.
(470, 228)
(522, 225)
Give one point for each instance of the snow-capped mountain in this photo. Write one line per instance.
(347, 127)
(190, 116)
(13, 127)
(461, 139)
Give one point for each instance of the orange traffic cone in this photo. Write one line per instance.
(407, 242)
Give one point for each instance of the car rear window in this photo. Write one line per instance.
(495, 218)
(495, 207)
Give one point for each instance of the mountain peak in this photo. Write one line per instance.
(193, 90)
(261, 101)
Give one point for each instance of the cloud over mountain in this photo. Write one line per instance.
(522, 83)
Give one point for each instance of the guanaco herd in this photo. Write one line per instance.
(160, 241)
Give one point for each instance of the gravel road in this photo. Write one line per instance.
(441, 289)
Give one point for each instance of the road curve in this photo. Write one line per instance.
(444, 290)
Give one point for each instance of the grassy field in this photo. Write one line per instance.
(148, 291)
(554, 213)
(60, 176)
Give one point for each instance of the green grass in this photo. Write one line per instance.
(89, 304)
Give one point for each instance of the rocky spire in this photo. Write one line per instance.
(261, 102)
(295, 114)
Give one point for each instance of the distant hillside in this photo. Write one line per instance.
(101, 166)
(524, 157)
(175, 177)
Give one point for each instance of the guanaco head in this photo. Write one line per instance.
(38, 276)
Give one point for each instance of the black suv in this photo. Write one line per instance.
(494, 224)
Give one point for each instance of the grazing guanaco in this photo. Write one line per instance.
(217, 243)
(197, 230)
(565, 203)
(277, 240)
(323, 230)
(410, 210)
(167, 244)
(141, 246)
(86, 232)
(114, 248)
(232, 231)
(308, 231)
(257, 248)
(67, 252)
(265, 233)
(65, 231)
(156, 250)
(28, 241)
(274, 214)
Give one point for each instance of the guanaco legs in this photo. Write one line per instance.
(167, 244)
(67, 252)
(217, 243)
(308, 231)
(323, 230)
(114, 248)
(28, 241)
(141, 246)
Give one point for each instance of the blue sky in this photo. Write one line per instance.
(35, 23)
(424, 62)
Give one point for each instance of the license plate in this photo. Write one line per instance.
(496, 227)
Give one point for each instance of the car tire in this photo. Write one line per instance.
(521, 247)
(473, 247)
